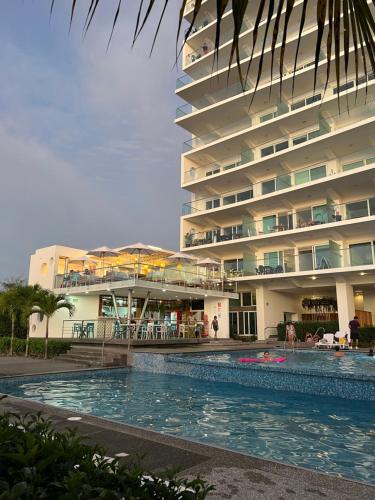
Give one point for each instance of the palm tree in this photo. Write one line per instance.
(17, 301)
(352, 18)
(47, 304)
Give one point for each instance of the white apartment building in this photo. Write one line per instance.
(282, 192)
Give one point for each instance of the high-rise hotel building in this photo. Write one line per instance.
(282, 191)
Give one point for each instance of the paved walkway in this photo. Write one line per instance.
(234, 475)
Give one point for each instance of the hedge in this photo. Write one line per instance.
(366, 333)
(38, 462)
(36, 347)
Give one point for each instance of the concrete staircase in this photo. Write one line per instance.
(91, 356)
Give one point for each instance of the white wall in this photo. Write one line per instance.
(271, 307)
(220, 308)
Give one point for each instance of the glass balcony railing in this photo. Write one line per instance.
(210, 99)
(195, 172)
(284, 221)
(186, 276)
(316, 258)
(299, 177)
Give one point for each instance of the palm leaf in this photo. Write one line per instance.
(347, 27)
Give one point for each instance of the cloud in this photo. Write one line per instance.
(89, 151)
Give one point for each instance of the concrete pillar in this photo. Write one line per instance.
(261, 312)
(345, 305)
(218, 307)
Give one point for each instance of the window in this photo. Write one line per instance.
(299, 140)
(248, 299)
(268, 186)
(266, 151)
(227, 200)
(357, 209)
(245, 195)
(281, 146)
(212, 203)
(305, 260)
(269, 223)
(233, 266)
(297, 105)
(314, 98)
(318, 172)
(342, 88)
(350, 166)
(302, 177)
(361, 254)
(322, 257)
(271, 259)
(320, 214)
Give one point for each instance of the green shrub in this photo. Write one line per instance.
(36, 347)
(366, 333)
(37, 462)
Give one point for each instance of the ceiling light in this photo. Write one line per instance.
(313, 277)
(362, 273)
(164, 290)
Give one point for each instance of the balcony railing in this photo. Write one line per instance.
(286, 143)
(317, 258)
(284, 221)
(259, 189)
(188, 276)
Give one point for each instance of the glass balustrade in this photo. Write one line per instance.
(315, 258)
(279, 183)
(284, 221)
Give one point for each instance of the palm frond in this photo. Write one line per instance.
(346, 28)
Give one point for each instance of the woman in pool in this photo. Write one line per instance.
(338, 352)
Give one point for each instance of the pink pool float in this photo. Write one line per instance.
(262, 360)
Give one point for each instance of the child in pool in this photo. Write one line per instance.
(338, 352)
(266, 356)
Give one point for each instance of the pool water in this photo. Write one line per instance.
(319, 361)
(327, 434)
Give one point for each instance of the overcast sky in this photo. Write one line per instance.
(89, 153)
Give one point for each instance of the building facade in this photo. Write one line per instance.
(282, 185)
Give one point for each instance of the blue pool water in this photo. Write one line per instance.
(327, 434)
(351, 363)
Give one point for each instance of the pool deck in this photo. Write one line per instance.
(234, 475)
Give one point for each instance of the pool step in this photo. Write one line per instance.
(91, 356)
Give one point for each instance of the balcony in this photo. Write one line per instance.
(329, 213)
(190, 276)
(302, 260)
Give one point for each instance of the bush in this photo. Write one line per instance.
(37, 462)
(36, 347)
(366, 333)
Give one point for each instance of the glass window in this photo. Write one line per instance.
(266, 117)
(305, 260)
(268, 186)
(371, 203)
(269, 223)
(283, 182)
(350, 166)
(281, 146)
(271, 259)
(320, 215)
(313, 134)
(247, 299)
(216, 203)
(318, 172)
(356, 209)
(227, 200)
(360, 254)
(208, 205)
(297, 105)
(299, 140)
(304, 218)
(231, 265)
(268, 150)
(302, 177)
(245, 195)
(322, 257)
(314, 98)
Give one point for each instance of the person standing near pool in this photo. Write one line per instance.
(354, 330)
(290, 333)
(215, 326)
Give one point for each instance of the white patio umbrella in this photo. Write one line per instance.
(209, 264)
(138, 249)
(103, 252)
(182, 257)
(83, 259)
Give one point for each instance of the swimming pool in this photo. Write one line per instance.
(327, 434)
(351, 363)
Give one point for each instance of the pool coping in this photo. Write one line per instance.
(211, 455)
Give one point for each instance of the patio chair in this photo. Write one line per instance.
(90, 328)
(327, 342)
(77, 329)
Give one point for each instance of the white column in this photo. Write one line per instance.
(345, 304)
(261, 312)
(218, 307)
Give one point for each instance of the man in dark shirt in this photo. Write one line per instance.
(354, 330)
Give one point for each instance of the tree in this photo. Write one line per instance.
(47, 304)
(17, 300)
(341, 24)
